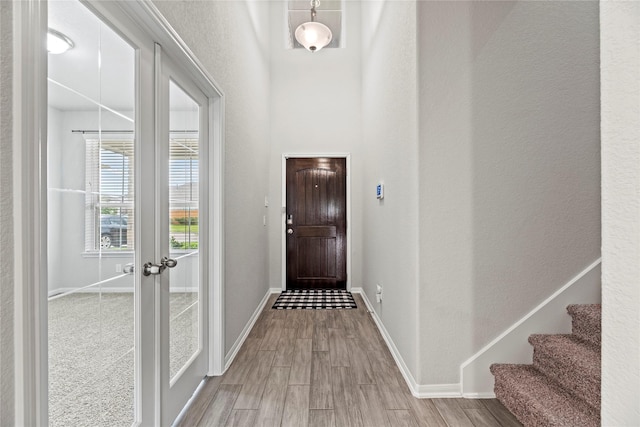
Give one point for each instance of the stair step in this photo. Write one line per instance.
(573, 364)
(535, 400)
(586, 322)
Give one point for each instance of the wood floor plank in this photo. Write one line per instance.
(273, 398)
(261, 325)
(305, 327)
(254, 381)
(371, 408)
(345, 399)
(320, 334)
(221, 406)
(200, 404)
(362, 370)
(502, 414)
(301, 365)
(338, 348)
(368, 333)
(470, 403)
(320, 317)
(242, 418)
(401, 418)
(293, 319)
(452, 413)
(237, 372)
(334, 321)
(260, 367)
(250, 396)
(321, 394)
(286, 347)
(322, 418)
(276, 314)
(425, 412)
(481, 417)
(270, 340)
(296, 406)
(349, 323)
(387, 377)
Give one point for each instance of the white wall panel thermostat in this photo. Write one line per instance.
(380, 191)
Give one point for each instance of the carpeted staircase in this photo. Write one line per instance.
(562, 387)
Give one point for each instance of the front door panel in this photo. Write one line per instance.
(316, 223)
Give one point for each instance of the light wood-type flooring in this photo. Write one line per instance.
(325, 368)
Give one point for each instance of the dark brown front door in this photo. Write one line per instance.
(316, 223)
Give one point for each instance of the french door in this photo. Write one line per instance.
(128, 223)
(181, 170)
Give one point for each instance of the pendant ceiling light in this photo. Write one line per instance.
(58, 42)
(313, 35)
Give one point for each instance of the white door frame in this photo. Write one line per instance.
(283, 222)
(30, 198)
(29, 208)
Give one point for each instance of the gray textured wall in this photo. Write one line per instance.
(6, 217)
(509, 166)
(620, 35)
(390, 155)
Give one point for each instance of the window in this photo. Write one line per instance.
(183, 192)
(109, 199)
(109, 223)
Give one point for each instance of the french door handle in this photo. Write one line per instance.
(128, 269)
(168, 262)
(151, 268)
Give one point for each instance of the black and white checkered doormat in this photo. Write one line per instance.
(314, 299)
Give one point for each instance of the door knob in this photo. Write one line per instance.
(151, 268)
(128, 268)
(290, 231)
(168, 262)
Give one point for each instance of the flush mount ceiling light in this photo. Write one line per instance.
(313, 35)
(58, 42)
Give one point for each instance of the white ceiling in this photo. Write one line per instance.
(100, 69)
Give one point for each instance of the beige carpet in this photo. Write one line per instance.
(91, 355)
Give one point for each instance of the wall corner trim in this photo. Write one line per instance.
(511, 346)
(233, 352)
(421, 391)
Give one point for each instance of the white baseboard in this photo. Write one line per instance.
(491, 395)
(228, 359)
(92, 290)
(421, 391)
(108, 290)
(512, 345)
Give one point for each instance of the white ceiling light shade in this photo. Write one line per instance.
(313, 35)
(58, 42)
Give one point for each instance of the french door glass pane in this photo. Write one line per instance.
(184, 237)
(91, 226)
